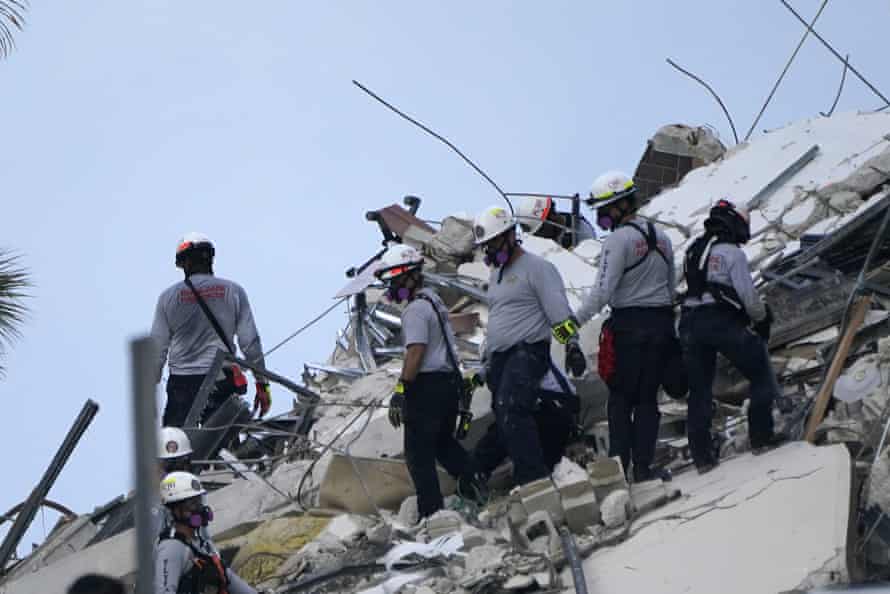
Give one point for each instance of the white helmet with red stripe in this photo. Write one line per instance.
(532, 212)
(397, 260)
(191, 243)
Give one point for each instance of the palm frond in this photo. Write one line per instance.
(12, 19)
(14, 283)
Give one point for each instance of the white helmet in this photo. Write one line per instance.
(532, 212)
(491, 223)
(193, 241)
(179, 486)
(397, 260)
(610, 187)
(173, 443)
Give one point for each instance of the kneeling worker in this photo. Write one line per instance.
(427, 396)
(527, 303)
(186, 562)
(717, 317)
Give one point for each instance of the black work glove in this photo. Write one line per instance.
(397, 405)
(575, 360)
(764, 326)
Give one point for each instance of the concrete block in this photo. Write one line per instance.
(606, 476)
(441, 523)
(540, 535)
(614, 509)
(571, 480)
(581, 512)
(473, 537)
(541, 495)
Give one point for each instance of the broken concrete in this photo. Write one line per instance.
(748, 508)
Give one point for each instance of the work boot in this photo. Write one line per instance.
(473, 487)
(759, 446)
(706, 467)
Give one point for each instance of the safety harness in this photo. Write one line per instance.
(651, 245)
(695, 267)
(207, 575)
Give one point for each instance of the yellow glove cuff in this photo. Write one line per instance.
(565, 331)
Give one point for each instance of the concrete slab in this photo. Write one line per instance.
(387, 480)
(769, 523)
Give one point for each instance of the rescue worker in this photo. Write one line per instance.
(174, 455)
(188, 337)
(527, 303)
(723, 313)
(427, 395)
(555, 418)
(174, 451)
(636, 279)
(186, 562)
(539, 217)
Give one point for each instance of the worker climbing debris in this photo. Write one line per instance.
(723, 313)
(527, 302)
(538, 216)
(636, 279)
(195, 318)
(186, 561)
(428, 394)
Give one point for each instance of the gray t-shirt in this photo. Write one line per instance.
(174, 559)
(526, 304)
(185, 336)
(421, 326)
(651, 284)
(728, 265)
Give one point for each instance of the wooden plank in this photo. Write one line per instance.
(857, 316)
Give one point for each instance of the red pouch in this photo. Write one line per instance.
(606, 360)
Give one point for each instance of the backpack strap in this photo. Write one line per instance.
(452, 356)
(651, 244)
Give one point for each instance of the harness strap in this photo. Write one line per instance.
(651, 245)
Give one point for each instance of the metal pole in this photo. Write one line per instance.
(29, 510)
(783, 176)
(571, 552)
(143, 354)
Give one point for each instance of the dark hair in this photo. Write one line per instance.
(93, 583)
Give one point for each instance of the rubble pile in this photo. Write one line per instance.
(330, 509)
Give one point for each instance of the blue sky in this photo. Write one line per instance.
(126, 124)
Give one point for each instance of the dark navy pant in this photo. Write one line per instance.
(704, 332)
(431, 409)
(643, 338)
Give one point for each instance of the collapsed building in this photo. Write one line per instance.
(320, 500)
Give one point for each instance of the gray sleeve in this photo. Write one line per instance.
(551, 292)
(237, 585)
(161, 333)
(172, 556)
(415, 325)
(245, 329)
(609, 274)
(744, 285)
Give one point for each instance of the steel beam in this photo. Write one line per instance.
(29, 510)
(207, 386)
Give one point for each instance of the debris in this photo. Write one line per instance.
(614, 509)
